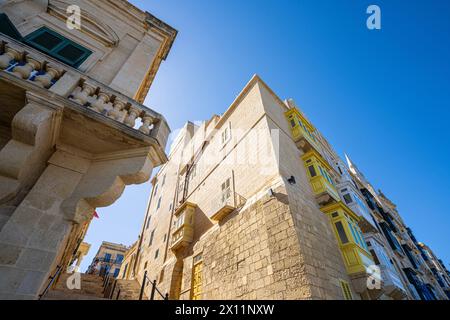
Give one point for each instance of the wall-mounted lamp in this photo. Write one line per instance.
(291, 180)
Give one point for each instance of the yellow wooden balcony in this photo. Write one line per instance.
(302, 130)
(355, 252)
(321, 182)
(183, 226)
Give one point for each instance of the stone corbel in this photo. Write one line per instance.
(105, 180)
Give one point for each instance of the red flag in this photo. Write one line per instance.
(95, 214)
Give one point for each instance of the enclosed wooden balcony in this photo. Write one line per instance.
(302, 131)
(350, 196)
(321, 182)
(183, 226)
(355, 252)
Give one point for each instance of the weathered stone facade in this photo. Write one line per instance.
(234, 214)
(278, 246)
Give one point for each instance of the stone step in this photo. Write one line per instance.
(64, 295)
(91, 287)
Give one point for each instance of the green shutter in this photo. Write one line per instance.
(57, 46)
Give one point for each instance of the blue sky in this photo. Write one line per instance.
(383, 96)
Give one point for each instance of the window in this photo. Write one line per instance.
(226, 190)
(375, 257)
(58, 46)
(163, 181)
(193, 172)
(346, 290)
(148, 222)
(151, 238)
(116, 272)
(393, 242)
(410, 256)
(226, 134)
(107, 257)
(119, 258)
(161, 276)
(292, 123)
(178, 222)
(312, 171)
(165, 237)
(159, 203)
(341, 232)
(155, 190)
(156, 254)
(124, 274)
(347, 198)
(145, 264)
(170, 207)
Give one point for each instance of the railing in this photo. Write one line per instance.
(154, 289)
(109, 287)
(96, 97)
(32, 65)
(51, 281)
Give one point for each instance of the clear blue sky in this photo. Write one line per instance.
(381, 96)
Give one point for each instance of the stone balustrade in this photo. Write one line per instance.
(101, 99)
(29, 66)
(32, 65)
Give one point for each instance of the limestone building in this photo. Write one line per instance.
(255, 204)
(108, 259)
(128, 268)
(73, 129)
(81, 252)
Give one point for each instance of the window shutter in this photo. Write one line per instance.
(8, 28)
(57, 46)
(346, 290)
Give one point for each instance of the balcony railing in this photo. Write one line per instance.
(226, 203)
(110, 261)
(33, 66)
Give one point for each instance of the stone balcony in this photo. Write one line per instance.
(82, 94)
(68, 144)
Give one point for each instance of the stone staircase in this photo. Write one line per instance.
(129, 290)
(92, 289)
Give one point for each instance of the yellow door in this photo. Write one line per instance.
(197, 281)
